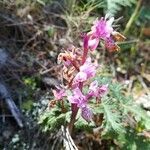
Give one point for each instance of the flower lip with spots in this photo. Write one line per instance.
(77, 98)
(81, 101)
(87, 113)
(87, 70)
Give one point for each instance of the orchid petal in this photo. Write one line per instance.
(59, 93)
(87, 114)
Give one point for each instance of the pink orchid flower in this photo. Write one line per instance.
(87, 70)
(87, 113)
(96, 90)
(80, 77)
(77, 98)
(102, 90)
(102, 29)
(80, 100)
(59, 93)
(90, 42)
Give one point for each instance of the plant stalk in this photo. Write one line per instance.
(133, 16)
(73, 117)
(85, 52)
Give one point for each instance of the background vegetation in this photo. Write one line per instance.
(33, 32)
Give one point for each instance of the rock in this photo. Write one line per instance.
(52, 82)
(7, 134)
(3, 57)
(144, 100)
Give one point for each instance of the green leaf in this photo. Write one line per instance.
(139, 114)
(51, 120)
(112, 117)
(27, 105)
(41, 2)
(132, 141)
(113, 6)
(81, 124)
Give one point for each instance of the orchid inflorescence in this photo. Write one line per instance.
(78, 68)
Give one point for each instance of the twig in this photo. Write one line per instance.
(130, 86)
(144, 85)
(128, 42)
(32, 39)
(68, 141)
(11, 105)
(46, 71)
(57, 141)
(18, 24)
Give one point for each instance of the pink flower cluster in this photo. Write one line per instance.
(81, 100)
(102, 30)
(86, 71)
(79, 69)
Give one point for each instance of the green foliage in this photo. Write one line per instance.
(122, 118)
(81, 124)
(116, 109)
(118, 112)
(144, 15)
(30, 82)
(113, 6)
(132, 141)
(139, 114)
(124, 104)
(51, 120)
(27, 105)
(110, 107)
(112, 117)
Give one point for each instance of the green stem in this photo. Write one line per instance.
(133, 16)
